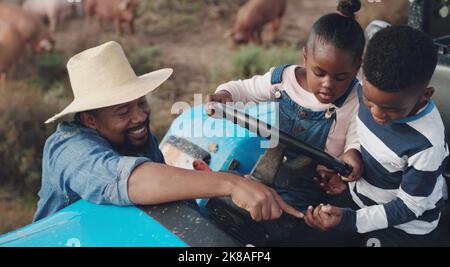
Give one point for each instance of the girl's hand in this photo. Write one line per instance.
(331, 182)
(353, 158)
(221, 97)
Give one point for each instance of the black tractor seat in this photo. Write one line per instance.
(447, 172)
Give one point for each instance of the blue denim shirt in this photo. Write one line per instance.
(79, 163)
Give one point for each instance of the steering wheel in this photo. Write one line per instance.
(219, 110)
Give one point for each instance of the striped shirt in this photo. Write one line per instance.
(402, 186)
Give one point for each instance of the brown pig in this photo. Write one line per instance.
(393, 12)
(11, 46)
(117, 10)
(30, 28)
(252, 17)
(54, 10)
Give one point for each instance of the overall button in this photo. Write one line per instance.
(303, 114)
(330, 112)
(276, 93)
(298, 130)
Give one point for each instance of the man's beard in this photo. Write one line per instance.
(130, 149)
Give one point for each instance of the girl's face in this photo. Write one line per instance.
(329, 71)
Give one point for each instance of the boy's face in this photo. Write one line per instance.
(329, 71)
(387, 107)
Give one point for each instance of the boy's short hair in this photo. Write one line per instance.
(398, 58)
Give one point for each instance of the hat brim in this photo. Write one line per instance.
(130, 91)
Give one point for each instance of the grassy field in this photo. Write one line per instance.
(16, 209)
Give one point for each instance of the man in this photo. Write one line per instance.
(108, 155)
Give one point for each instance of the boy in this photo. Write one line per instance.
(401, 140)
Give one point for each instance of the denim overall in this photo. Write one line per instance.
(304, 124)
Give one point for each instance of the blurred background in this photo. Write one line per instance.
(190, 36)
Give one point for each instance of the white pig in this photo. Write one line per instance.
(54, 10)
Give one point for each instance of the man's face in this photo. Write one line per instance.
(387, 107)
(122, 125)
(329, 71)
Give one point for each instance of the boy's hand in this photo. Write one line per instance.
(331, 182)
(353, 158)
(323, 217)
(221, 97)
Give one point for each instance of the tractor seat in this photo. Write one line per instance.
(446, 175)
(447, 172)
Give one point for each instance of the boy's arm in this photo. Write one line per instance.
(351, 138)
(352, 152)
(421, 190)
(256, 89)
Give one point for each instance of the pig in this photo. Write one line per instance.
(54, 10)
(31, 29)
(11, 48)
(393, 12)
(252, 17)
(117, 10)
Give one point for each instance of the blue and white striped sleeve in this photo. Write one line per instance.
(421, 187)
(421, 190)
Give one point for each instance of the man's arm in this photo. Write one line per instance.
(153, 183)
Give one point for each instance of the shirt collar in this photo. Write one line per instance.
(421, 113)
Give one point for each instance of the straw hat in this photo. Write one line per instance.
(102, 77)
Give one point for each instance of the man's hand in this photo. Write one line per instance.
(353, 158)
(262, 202)
(323, 217)
(331, 182)
(154, 183)
(221, 97)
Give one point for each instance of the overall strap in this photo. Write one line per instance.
(277, 74)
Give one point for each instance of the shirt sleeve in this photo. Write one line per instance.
(90, 168)
(256, 89)
(352, 139)
(421, 190)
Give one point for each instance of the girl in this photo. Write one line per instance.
(313, 98)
